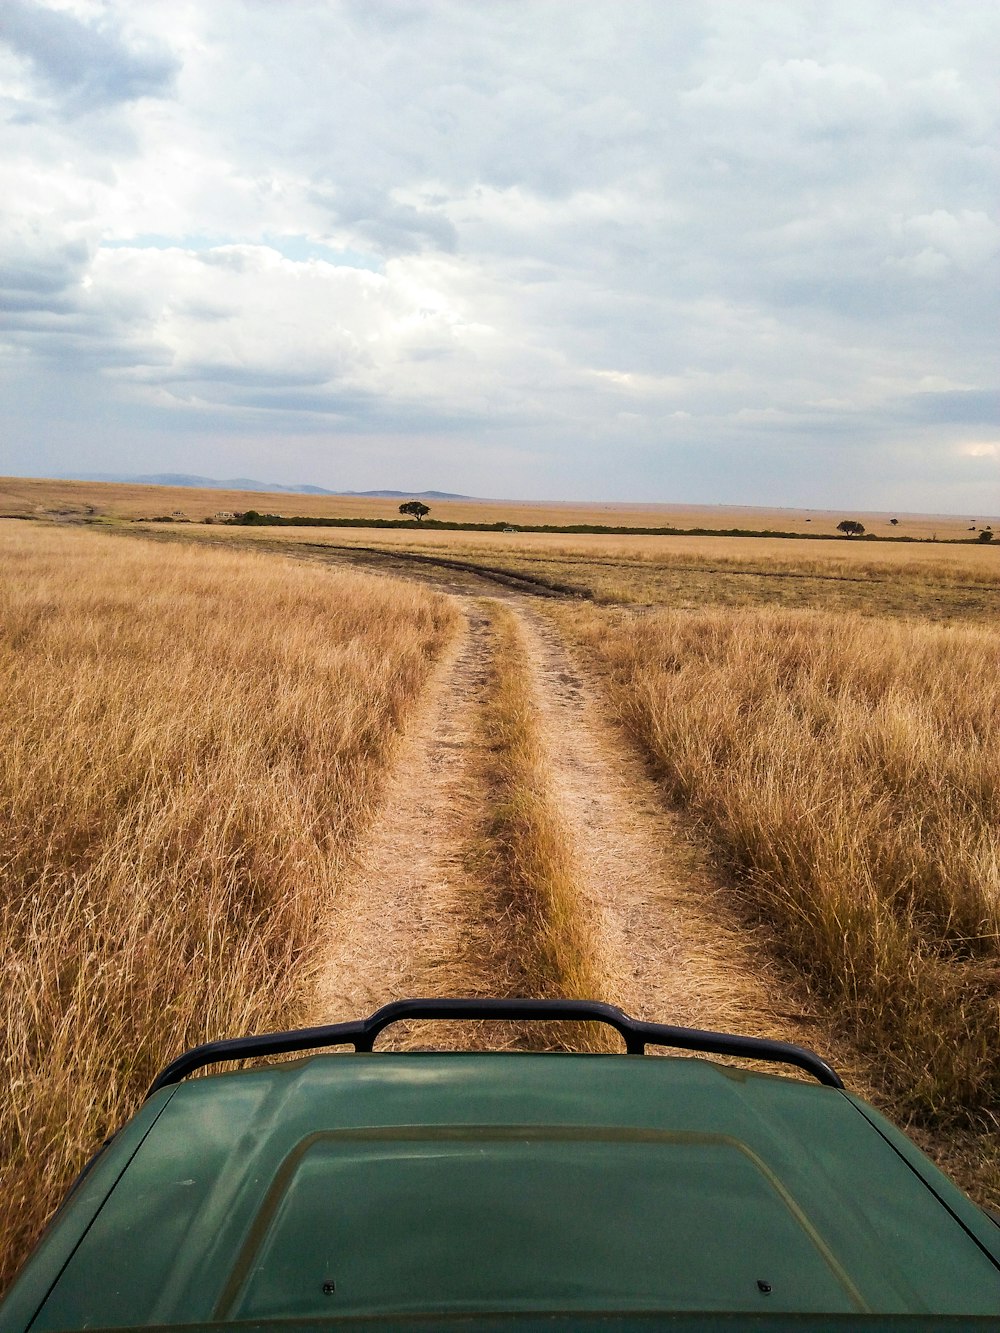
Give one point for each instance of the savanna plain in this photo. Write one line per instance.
(257, 777)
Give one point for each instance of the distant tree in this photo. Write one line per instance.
(985, 536)
(851, 527)
(415, 508)
(894, 522)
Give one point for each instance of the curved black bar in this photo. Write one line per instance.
(746, 1048)
(362, 1034)
(248, 1048)
(548, 1010)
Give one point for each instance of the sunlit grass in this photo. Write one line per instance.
(189, 742)
(847, 767)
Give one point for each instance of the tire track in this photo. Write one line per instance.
(414, 917)
(664, 932)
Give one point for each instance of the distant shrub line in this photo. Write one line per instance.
(253, 519)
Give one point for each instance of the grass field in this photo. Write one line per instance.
(195, 733)
(532, 859)
(847, 769)
(190, 741)
(930, 581)
(38, 497)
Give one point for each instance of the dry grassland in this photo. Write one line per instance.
(929, 581)
(190, 739)
(194, 737)
(40, 496)
(848, 768)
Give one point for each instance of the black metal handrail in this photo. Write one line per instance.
(362, 1033)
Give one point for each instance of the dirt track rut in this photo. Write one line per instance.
(667, 943)
(413, 918)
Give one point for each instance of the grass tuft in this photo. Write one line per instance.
(551, 947)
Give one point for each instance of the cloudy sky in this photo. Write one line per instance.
(718, 251)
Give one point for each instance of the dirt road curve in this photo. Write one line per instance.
(419, 915)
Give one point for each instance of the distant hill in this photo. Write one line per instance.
(412, 495)
(201, 483)
(248, 484)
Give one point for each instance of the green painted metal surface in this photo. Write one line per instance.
(487, 1185)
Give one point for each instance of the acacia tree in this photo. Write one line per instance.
(851, 527)
(415, 508)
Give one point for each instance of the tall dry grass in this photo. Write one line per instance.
(931, 581)
(549, 950)
(189, 740)
(849, 769)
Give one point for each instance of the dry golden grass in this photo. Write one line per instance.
(189, 741)
(848, 769)
(930, 581)
(40, 496)
(527, 843)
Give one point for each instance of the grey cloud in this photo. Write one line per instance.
(42, 270)
(236, 376)
(347, 408)
(332, 402)
(390, 226)
(15, 301)
(958, 406)
(86, 64)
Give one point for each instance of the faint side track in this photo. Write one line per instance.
(404, 562)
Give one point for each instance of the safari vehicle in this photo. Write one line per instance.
(496, 1190)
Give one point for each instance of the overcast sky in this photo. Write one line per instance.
(719, 251)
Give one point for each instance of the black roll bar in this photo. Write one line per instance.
(362, 1033)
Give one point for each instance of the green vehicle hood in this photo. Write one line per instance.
(476, 1188)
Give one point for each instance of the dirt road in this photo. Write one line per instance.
(420, 915)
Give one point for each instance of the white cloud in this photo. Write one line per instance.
(967, 240)
(392, 219)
